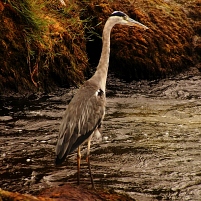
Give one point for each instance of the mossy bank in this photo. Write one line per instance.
(44, 45)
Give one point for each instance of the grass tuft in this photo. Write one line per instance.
(48, 41)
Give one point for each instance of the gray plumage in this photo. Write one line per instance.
(84, 114)
(86, 110)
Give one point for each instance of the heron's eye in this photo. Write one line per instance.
(125, 17)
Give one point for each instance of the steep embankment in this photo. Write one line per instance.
(43, 45)
(165, 49)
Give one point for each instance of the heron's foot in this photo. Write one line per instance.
(78, 165)
(78, 179)
(91, 176)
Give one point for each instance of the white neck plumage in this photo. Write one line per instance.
(102, 68)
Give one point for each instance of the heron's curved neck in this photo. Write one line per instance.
(102, 68)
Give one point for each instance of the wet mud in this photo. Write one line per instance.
(150, 148)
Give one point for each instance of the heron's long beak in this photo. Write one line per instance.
(132, 22)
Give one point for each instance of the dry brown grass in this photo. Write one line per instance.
(165, 49)
(44, 45)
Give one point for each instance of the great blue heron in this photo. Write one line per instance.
(86, 110)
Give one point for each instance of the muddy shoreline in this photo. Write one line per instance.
(150, 147)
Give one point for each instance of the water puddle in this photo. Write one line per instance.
(151, 141)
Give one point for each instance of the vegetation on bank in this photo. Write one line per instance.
(165, 49)
(44, 44)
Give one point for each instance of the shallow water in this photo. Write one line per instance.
(151, 146)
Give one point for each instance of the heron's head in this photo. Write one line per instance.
(121, 18)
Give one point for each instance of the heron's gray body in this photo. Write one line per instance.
(86, 110)
(84, 115)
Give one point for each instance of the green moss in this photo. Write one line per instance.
(44, 47)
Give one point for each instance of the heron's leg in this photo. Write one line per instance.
(88, 161)
(78, 165)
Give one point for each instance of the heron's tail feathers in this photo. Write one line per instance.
(59, 160)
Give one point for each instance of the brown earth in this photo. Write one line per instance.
(165, 49)
(50, 50)
(38, 44)
(44, 45)
(66, 192)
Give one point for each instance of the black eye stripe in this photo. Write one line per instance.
(118, 13)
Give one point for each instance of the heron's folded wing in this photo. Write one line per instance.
(83, 115)
(91, 117)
